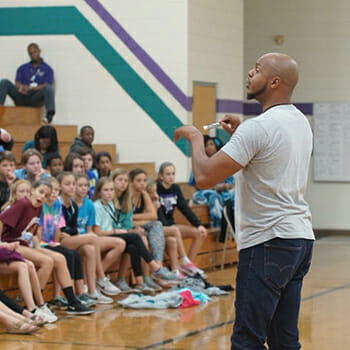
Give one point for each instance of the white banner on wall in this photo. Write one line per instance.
(332, 142)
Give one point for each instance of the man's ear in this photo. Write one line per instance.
(275, 82)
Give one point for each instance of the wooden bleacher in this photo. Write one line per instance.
(23, 122)
(148, 167)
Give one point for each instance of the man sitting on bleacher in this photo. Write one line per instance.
(33, 84)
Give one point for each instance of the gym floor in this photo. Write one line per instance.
(324, 318)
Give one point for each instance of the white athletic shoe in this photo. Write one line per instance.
(105, 286)
(45, 313)
(99, 298)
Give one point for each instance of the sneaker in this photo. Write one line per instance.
(123, 286)
(179, 275)
(150, 283)
(164, 274)
(59, 302)
(144, 289)
(45, 313)
(202, 273)
(99, 298)
(105, 286)
(49, 116)
(190, 269)
(85, 300)
(79, 309)
(168, 284)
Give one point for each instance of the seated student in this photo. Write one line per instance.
(173, 241)
(110, 248)
(7, 165)
(45, 141)
(103, 164)
(28, 283)
(171, 197)
(6, 140)
(33, 84)
(19, 190)
(145, 215)
(87, 134)
(54, 164)
(18, 223)
(32, 169)
(214, 198)
(50, 222)
(87, 244)
(74, 163)
(114, 218)
(88, 157)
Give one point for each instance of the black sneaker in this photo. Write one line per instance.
(49, 116)
(79, 309)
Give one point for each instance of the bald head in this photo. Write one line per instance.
(278, 64)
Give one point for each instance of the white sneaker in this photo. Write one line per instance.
(105, 286)
(45, 313)
(99, 298)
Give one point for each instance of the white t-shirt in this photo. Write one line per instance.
(274, 150)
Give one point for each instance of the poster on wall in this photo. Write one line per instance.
(332, 142)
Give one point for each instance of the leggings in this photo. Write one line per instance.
(73, 261)
(10, 303)
(155, 237)
(136, 249)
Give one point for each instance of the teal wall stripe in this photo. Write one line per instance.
(68, 21)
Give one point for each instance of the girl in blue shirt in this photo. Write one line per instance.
(87, 244)
(114, 218)
(110, 247)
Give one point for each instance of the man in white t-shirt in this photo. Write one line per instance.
(270, 155)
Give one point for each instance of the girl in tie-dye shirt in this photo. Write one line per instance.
(51, 220)
(50, 223)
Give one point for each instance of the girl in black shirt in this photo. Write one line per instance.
(171, 197)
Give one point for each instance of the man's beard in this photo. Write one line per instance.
(35, 61)
(253, 95)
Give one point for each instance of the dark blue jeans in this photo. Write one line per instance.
(45, 96)
(268, 292)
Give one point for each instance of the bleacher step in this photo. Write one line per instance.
(19, 116)
(148, 167)
(66, 133)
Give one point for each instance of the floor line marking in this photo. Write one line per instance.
(68, 343)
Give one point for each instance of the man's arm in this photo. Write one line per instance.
(22, 89)
(37, 88)
(208, 171)
(19, 81)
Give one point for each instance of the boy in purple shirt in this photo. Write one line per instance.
(33, 84)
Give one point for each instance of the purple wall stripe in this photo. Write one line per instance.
(251, 109)
(222, 105)
(141, 54)
(255, 108)
(306, 108)
(229, 106)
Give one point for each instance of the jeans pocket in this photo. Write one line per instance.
(280, 262)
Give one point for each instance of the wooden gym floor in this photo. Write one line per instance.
(324, 318)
